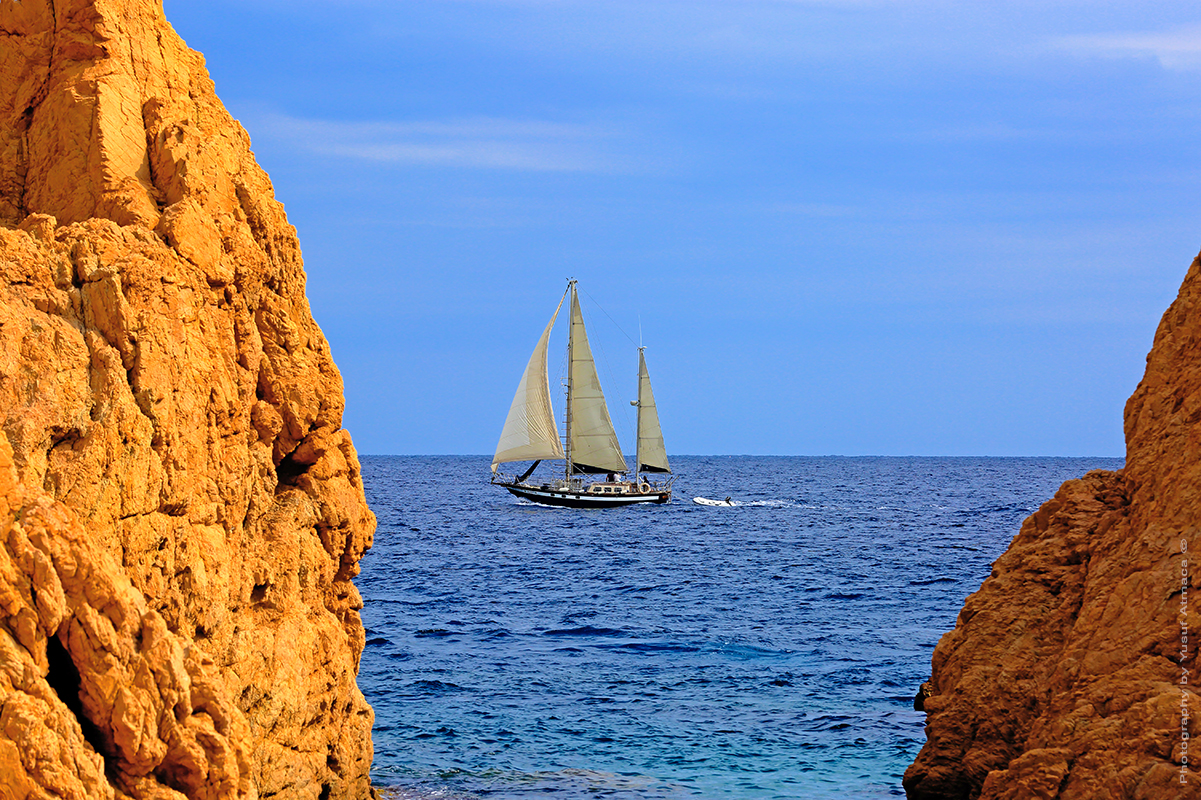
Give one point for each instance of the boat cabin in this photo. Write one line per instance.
(614, 487)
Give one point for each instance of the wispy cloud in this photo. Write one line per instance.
(482, 142)
(1178, 49)
(818, 210)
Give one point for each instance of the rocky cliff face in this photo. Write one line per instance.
(181, 513)
(1071, 673)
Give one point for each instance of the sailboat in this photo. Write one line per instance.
(589, 445)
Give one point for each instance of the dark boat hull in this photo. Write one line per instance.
(575, 499)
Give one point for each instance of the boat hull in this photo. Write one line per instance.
(574, 499)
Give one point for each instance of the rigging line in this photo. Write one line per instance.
(625, 409)
(606, 313)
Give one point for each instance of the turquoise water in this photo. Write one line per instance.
(770, 650)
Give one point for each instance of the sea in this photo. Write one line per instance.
(770, 649)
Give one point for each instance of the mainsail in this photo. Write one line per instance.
(529, 431)
(652, 455)
(592, 442)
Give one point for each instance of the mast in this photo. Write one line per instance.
(638, 402)
(570, 347)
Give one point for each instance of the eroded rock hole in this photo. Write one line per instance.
(290, 469)
(63, 678)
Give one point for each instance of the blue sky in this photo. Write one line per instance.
(845, 227)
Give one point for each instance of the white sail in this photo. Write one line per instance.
(652, 455)
(592, 442)
(529, 432)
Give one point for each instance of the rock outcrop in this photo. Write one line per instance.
(181, 513)
(1072, 672)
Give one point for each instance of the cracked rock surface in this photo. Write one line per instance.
(181, 511)
(1072, 672)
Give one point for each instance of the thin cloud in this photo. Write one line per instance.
(1178, 49)
(818, 210)
(479, 143)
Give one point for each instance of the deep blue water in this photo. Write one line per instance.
(770, 650)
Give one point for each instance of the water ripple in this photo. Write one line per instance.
(770, 650)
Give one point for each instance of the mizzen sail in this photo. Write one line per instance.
(529, 432)
(652, 455)
(592, 442)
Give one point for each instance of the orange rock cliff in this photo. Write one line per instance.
(1072, 672)
(181, 512)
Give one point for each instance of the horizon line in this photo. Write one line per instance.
(751, 455)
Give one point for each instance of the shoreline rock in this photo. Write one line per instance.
(184, 512)
(1071, 672)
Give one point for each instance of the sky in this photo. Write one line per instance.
(839, 227)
